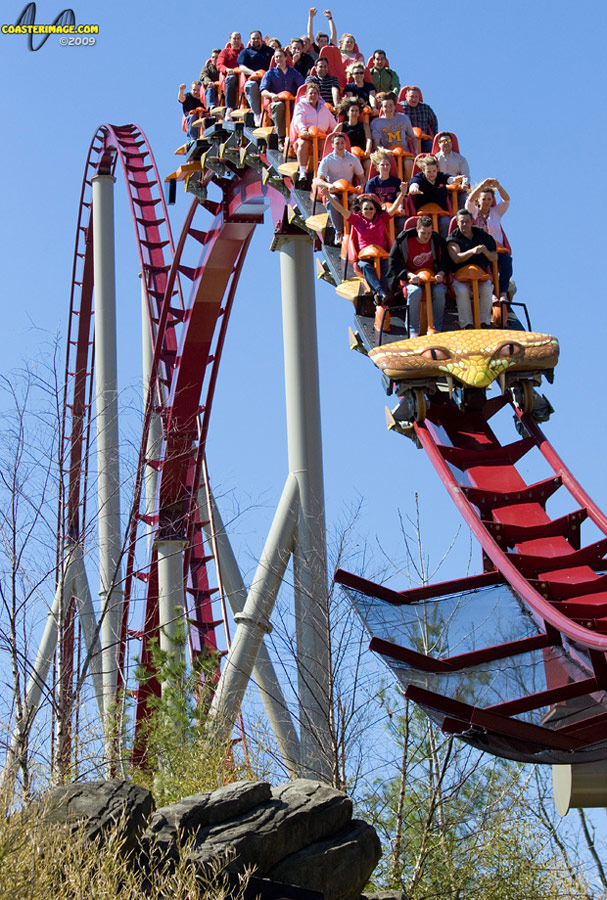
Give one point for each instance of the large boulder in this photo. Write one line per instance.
(100, 807)
(187, 817)
(338, 867)
(297, 815)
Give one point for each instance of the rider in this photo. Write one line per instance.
(280, 77)
(469, 245)
(421, 115)
(252, 59)
(227, 63)
(334, 166)
(416, 249)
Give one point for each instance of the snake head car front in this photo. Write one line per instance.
(473, 357)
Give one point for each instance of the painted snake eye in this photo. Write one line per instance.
(435, 353)
(511, 348)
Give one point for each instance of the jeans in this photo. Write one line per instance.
(415, 295)
(251, 89)
(377, 285)
(443, 226)
(210, 95)
(231, 90)
(337, 219)
(463, 298)
(192, 133)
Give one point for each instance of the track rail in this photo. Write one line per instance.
(555, 579)
(187, 334)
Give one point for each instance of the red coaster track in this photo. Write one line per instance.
(549, 703)
(187, 333)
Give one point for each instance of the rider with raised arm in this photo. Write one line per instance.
(189, 102)
(252, 59)
(487, 214)
(322, 39)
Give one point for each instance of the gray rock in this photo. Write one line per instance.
(299, 813)
(188, 816)
(300, 835)
(338, 867)
(101, 806)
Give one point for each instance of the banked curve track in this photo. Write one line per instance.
(187, 330)
(547, 678)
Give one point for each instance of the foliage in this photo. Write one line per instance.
(183, 754)
(458, 824)
(39, 861)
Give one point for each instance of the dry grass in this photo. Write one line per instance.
(39, 861)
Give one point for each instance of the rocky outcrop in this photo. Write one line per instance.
(101, 807)
(195, 815)
(338, 867)
(300, 834)
(296, 815)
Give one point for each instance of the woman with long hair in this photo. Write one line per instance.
(369, 221)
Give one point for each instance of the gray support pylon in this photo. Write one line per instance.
(37, 679)
(254, 620)
(171, 594)
(88, 623)
(264, 675)
(305, 462)
(106, 396)
(154, 440)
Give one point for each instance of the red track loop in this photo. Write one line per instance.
(187, 337)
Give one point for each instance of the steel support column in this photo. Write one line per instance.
(254, 620)
(264, 674)
(305, 462)
(582, 786)
(88, 623)
(171, 594)
(106, 396)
